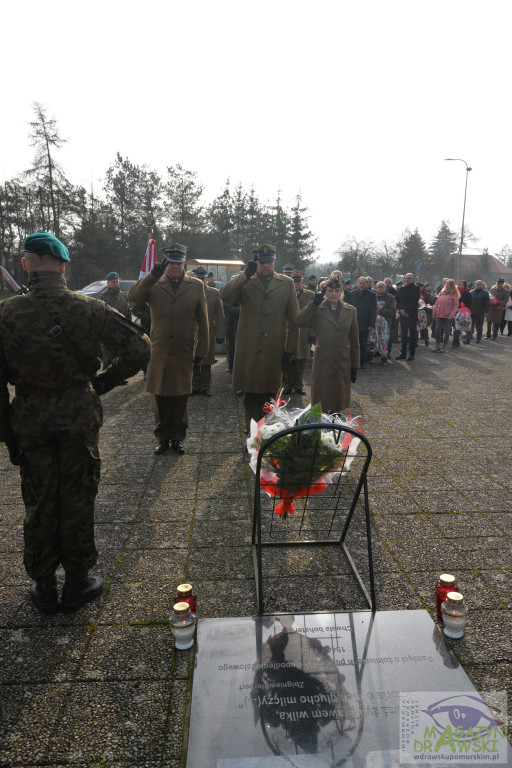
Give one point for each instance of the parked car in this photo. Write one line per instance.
(94, 289)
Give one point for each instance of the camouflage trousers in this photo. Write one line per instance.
(59, 482)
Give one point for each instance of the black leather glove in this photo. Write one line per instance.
(13, 448)
(319, 296)
(251, 268)
(219, 341)
(287, 356)
(353, 375)
(197, 359)
(158, 269)
(311, 339)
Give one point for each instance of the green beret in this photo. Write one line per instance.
(43, 243)
(112, 276)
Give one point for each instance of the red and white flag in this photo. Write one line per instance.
(149, 258)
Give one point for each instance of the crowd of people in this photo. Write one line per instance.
(61, 351)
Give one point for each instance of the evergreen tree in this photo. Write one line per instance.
(302, 243)
(183, 207)
(442, 249)
(219, 217)
(413, 254)
(278, 233)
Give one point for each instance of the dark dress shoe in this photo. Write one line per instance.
(177, 446)
(45, 599)
(239, 392)
(161, 447)
(300, 391)
(206, 392)
(411, 357)
(76, 595)
(400, 357)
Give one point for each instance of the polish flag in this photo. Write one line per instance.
(149, 258)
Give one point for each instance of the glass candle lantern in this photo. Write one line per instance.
(455, 615)
(445, 584)
(183, 624)
(184, 594)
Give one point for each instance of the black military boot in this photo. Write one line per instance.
(43, 595)
(79, 589)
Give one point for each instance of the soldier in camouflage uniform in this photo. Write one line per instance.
(51, 427)
(114, 297)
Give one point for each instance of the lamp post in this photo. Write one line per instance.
(468, 169)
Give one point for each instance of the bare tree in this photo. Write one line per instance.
(48, 174)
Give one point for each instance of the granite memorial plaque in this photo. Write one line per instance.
(321, 690)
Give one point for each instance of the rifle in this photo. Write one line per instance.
(19, 290)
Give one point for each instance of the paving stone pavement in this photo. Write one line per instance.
(105, 686)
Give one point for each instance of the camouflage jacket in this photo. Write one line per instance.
(53, 392)
(116, 299)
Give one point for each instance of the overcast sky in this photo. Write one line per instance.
(354, 105)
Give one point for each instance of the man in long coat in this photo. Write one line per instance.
(202, 375)
(179, 337)
(293, 375)
(495, 314)
(267, 302)
(337, 347)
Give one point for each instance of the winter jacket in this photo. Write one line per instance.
(446, 306)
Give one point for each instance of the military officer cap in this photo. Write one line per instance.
(200, 272)
(43, 243)
(297, 277)
(112, 276)
(264, 253)
(288, 269)
(175, 252)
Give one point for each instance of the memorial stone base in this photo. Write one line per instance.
(320, 690)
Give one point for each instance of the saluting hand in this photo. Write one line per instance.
(158, 269)
(251, 268)
(319, 296)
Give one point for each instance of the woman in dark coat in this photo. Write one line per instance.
(337, 347)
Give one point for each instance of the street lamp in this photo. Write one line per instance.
(468, 169)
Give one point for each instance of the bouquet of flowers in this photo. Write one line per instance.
(300, 463)
(462, 319)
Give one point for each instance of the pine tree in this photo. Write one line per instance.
(302, 243)
(182, 206)
(442, 249)
(413, 254)
(219, 218)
